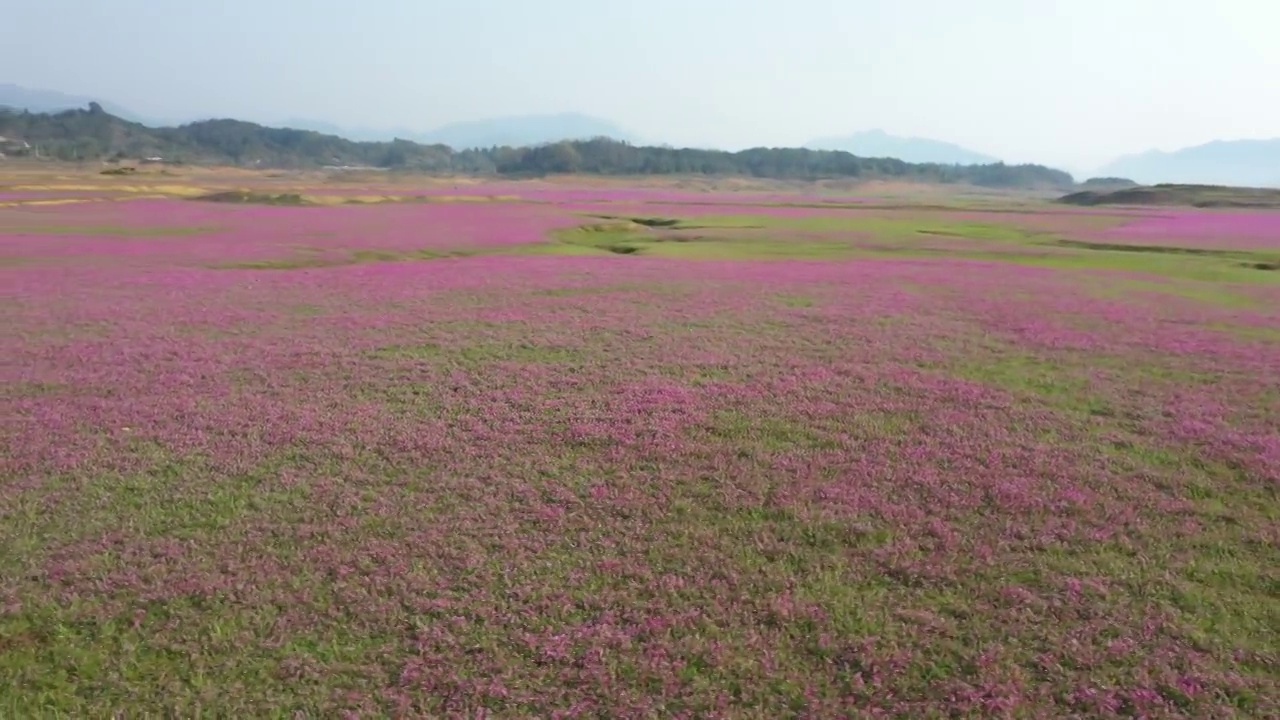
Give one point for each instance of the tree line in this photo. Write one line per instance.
(94, 134)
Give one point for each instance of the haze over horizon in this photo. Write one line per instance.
(1071, 86)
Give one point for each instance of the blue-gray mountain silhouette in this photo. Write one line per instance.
(878, 143)
(1244, 163)
(49, 101)
(515, 131)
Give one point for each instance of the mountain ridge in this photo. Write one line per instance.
(94, 134)
(507, 130)
(878, 143)
(500, 131)
(522, 130)
(1241, 163)
(38, 100)
(1219, 162)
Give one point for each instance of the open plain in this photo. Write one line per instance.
(278, 445)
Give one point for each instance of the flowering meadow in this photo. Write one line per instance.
(648, 455)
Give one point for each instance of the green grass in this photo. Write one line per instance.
(631, 239)
(772, 541)
(154, 502)
(477, 353)
(1209, 293)
(1030, 376)
(293, 263)
(796, 301)
(585, 290)
(254, 198)
(1251, 332)
(355, 257)
(305, 310)
(769, 434)
(1184, 267)
(860, 236)
(882, 228)
(1223, 588)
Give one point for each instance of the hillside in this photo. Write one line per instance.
(1205, 196)
(513, 131)
(95, 134)
(1251, 163)
(1099, 184)
(522, 130)
(51, 101)
(878, 143)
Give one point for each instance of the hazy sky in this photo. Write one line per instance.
(1070, 83)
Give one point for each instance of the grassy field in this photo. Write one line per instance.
(611, 451)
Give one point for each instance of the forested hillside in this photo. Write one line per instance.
(94, 134)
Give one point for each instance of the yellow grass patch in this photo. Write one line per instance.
(167, 190)
(48, 201)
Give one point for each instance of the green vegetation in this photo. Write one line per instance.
(831, 237)
(304, 260)
(254, 198)
(97, 135)
(1194, 195)
(478, 353)
(1108, 183)
(626, 487)
(626, 238)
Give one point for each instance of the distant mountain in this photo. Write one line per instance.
(523, 130)
(516, 131)
(51, 101)
(319, 126)
(359, 134)
(1246, 163)
(93, 134)
(878, 143)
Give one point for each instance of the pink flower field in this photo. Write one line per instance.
(1243, 229)
(457, 459)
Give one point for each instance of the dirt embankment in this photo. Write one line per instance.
(1205, 196)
